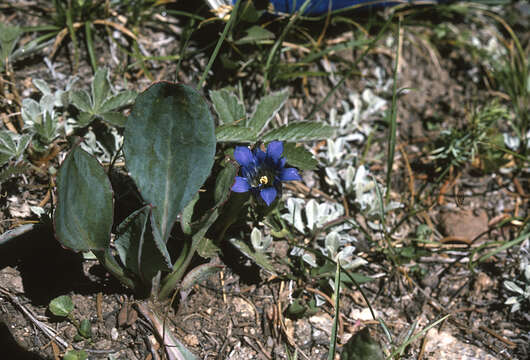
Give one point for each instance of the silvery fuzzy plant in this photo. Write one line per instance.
(41, 119)
(520, 289)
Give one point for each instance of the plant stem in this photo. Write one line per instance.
(108, 261)
(228, 25)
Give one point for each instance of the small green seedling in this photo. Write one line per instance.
(62, 306)
(75, 355)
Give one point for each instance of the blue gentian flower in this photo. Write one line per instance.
(262, 172)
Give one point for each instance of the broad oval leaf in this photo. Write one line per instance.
(61, 306)
(84, 215)
(169, 148)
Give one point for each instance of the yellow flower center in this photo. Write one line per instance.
(263, 180)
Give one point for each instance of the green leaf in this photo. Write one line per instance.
(100, 88)
(207, 248)
(84, 119)
(12, 145)
(187, 215)
(302, 131)
(169, 147)
(259, 258)
(117, 101)
(227, 106)
(266, 109)
(223, 183)
(231, 133)
(137, 249)
(42, 86)
(85, 329)
(114, 118)
(9, 36)
(299, 156)
(61, 306)
(198, 274)
(362, 346)
(75, 355)
(84, 213)
(81, 100)
(249, 13)
(254, 35)
(31, 111)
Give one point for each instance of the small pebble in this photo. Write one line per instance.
(114, 334)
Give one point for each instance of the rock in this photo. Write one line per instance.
(444, 346)
(362, 314)
(10, 278)
(114, 334)
(244, 308)
(321, 331)
(466, 224)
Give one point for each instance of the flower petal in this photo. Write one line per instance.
(259, 155)
(268, 195)
(244, 156)
(240, 185)
(290, 174)
(275, 151)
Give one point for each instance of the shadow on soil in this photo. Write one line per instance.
(48, 270)
(11, 349)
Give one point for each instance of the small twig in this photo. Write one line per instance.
(42, 326)
(509, 343)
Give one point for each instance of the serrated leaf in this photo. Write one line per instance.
(136, 246)
(81, 100)
(61, 306)
(302, 131)
(198, 274)
(227, 106)
(231, 133)
(117, 101)
(299, 157)
(259, 258)
(100, 88)
(169, 147)
(114, 118)
(159, 242)
(84, 213)
(266, 109)
(207, 248)
(254, 35)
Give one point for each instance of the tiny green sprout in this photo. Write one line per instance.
(62, 306)
(75, 355)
